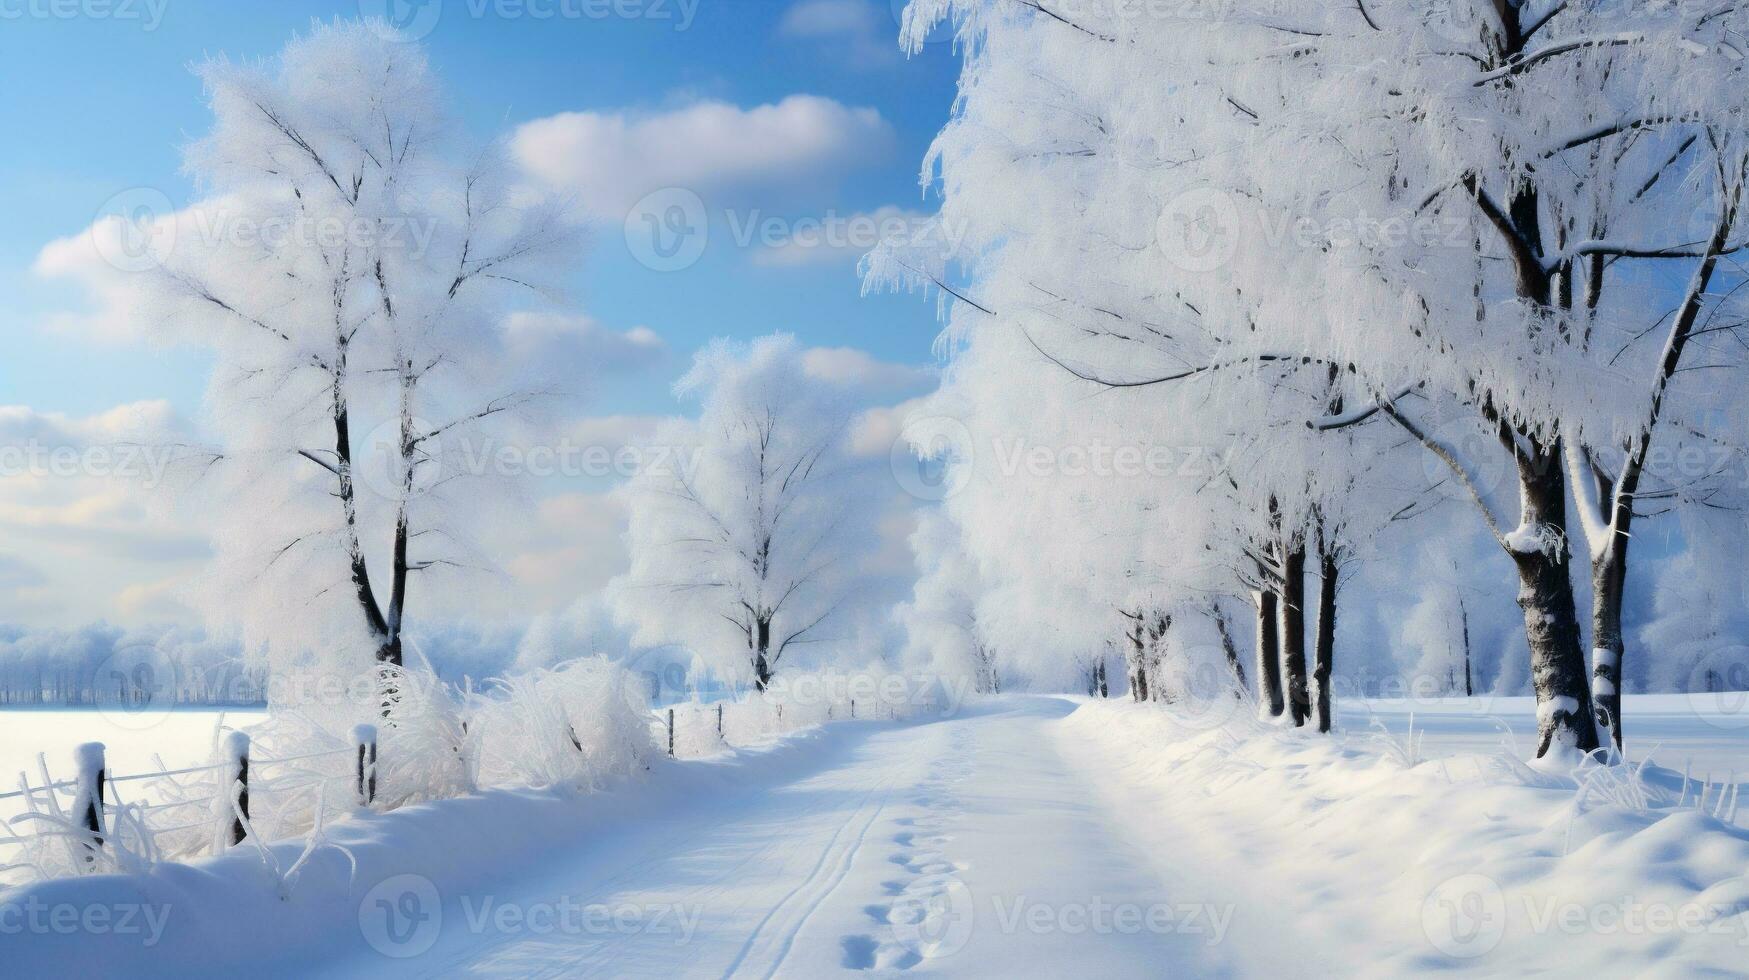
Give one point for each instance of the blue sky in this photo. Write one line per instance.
(112, 102)
(788, 109)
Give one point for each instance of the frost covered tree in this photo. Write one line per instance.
(941, 620)
(748, 523)
(1581, 143)
(1446, 212)
(1084, 168)
(1128, 551)
(350, 267)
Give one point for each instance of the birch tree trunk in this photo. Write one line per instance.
(1139, 660)
(1609, 561)
(1469, 674)
(1551, 621)
(1324, 650)
(1228, 647)
(762, 666)
(1268, 652)
(1293, 631)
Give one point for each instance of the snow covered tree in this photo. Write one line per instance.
(747, 524)
(1579, 141)
(941, 620)
(1083, 168)
(350, 269)
(1410, 212)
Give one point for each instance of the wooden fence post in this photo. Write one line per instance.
(670, 733)
(236, 786)
(364, 738)
(853, 709)
(719, 721)
(88, 801)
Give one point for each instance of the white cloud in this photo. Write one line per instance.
(610, 160)
(16, 573)
(837, 238)
(878, 429)
(613, 432)
(858, 30)
(156, 601)
(828, 18)
(571, 545)
(74, 503)
(854, 368)
(116, 262)
(573, 346)
(134, 422)
(116, 296)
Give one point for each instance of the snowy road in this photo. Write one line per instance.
(968, 845)
(1021, 837)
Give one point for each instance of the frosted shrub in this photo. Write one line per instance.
(423, 753)
(577, 725)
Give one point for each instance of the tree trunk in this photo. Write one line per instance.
(1609, 567)
(1551, 621)
(1469, 674)
(1609, 572)
(1228, 646)
(390, 652)
(1293, 632)
(1151, 671)
(1268, 653)
(1138, 661)
(762, 669)
(1324, 650)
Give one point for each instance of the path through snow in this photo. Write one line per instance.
(970, 844)
(1018, 838)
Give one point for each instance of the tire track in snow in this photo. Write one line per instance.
(738, 834)
(764, 952)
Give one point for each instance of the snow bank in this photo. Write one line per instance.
(237, 914)
(1353, 850)
(576, 727)
(799, 700)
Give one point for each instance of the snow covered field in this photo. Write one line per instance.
(1024, 836)
(180, 737)
(1708, 731)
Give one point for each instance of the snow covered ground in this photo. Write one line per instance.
(134, 740)
(1025, 836)
(182, 737)
(1708, 732)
